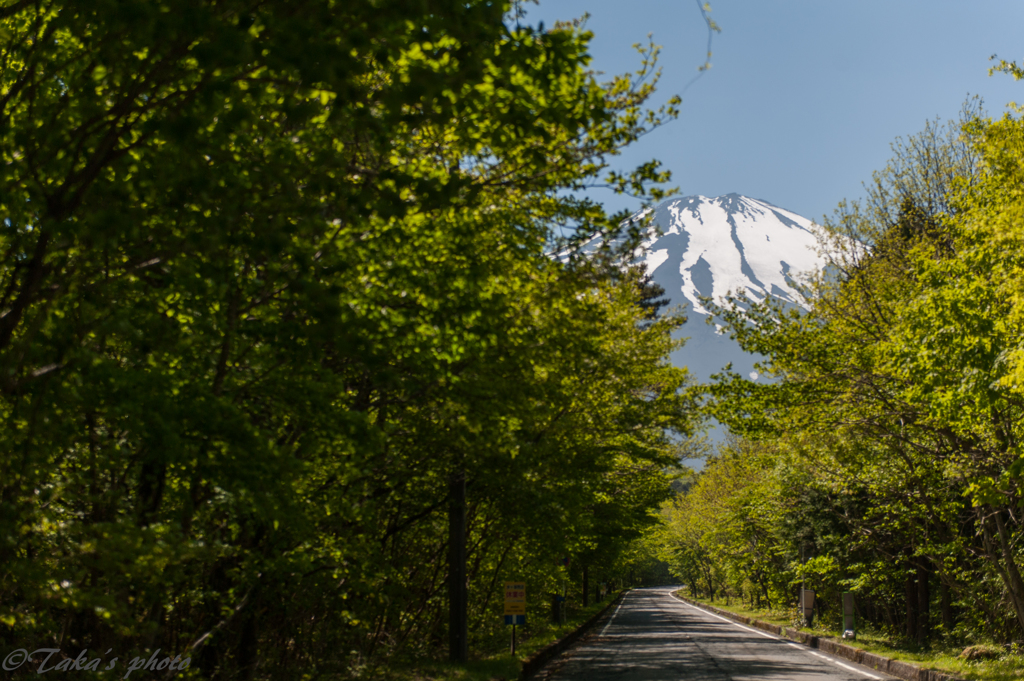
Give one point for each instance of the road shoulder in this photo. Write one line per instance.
(896, 668)
(541, 661)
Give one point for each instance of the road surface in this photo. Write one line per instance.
(653, 636)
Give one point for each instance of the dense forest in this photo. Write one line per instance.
(277, 309)
(885, 458)
(306, 349)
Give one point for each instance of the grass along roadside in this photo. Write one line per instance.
(1009, 666)
(498, 664)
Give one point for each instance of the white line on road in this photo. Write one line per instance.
(724, 619)
(609, 622)
(757, 631)
(854, 669)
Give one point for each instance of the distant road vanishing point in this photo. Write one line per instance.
(653, 636)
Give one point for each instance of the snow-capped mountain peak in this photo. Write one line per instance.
(711, 246)
(702, 246)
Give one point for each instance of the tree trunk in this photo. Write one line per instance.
(458, 624)
(586, 586)
(1005, 562)
(247, 646)
(946, 604)
(910, 596)
(923, 603)
(1015, 583)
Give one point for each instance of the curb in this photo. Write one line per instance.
(535, 662)
(901, 670)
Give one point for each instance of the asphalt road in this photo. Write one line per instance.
(652, 636)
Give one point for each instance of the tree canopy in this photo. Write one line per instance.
(271, 272)
(887, 452)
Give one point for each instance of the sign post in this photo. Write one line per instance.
(807, 605)
(515, 607)
(849, 618)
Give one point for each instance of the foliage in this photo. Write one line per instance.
(271, 272)
(887, 451)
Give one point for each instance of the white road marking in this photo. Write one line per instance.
(757, 631)
(725, 619)
(609, 622)
(854, 669)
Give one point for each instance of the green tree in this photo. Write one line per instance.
(271, 272)
(896, 379)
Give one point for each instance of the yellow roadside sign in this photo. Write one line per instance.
(515, 598)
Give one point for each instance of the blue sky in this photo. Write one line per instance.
(804, 96)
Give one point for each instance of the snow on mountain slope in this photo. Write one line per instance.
(745, 245)
(711, 246)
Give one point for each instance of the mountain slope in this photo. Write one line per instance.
(711, 246)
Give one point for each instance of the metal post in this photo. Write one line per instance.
(586, 586)
(803, 582)
(807, 605)
(849, 618)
